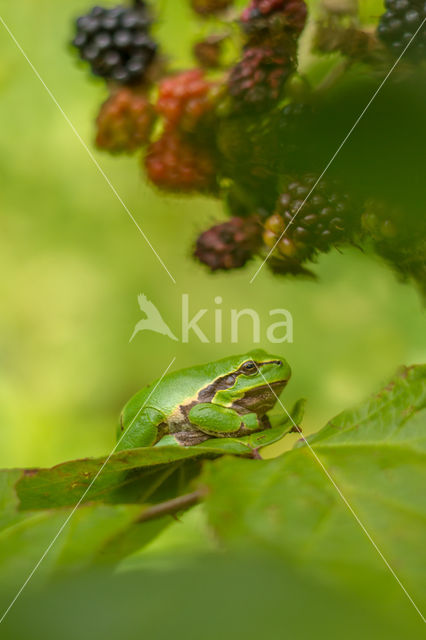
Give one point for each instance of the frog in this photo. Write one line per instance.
(227, 398)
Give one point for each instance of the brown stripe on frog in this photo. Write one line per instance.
(220, 384)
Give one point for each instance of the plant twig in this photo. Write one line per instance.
(170, 507)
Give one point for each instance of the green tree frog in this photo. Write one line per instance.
(226, 398)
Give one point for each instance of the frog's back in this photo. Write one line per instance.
(180, 386)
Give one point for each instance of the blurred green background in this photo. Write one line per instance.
(72, 264)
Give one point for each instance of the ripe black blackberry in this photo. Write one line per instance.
(301, 229)
(116, 42)
(399, 24)
(229, 245)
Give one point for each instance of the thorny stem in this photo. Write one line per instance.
(170, 507)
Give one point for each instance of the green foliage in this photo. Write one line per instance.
(107, 525)
(375, 454)
(134, 476)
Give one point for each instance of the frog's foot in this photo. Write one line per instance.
(295, 429)
(189, 438)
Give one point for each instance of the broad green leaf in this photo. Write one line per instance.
(382, 417)
(376, 456)
(108, 528)
(133, 476)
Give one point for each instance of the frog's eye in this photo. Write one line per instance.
(249, 368)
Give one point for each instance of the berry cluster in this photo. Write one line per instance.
(237, 132)
(116, 42)
(271, 29)
(179, 160)
(399, 24)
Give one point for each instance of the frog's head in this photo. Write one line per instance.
(252, 382)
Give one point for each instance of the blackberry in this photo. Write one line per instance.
(209, 7)
(326, 219)
(116, 42)
(125, 121)
(175, 163)
(184, 98)
(257, 80)
(228, 245)
(274, 20)
(399, 24)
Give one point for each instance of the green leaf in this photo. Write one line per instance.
(375, 454)
(381, 418)
(133, 476)
(106, 527)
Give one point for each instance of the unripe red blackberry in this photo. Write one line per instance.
(400, 22)
(124, 122)
(116, 42)
(300, 230)
(274, 20)
(228, 245)
(175, 163)
(257, 80)
(209, 7)
(184, 98)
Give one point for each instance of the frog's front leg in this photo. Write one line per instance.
(141, 430)
(218, 421)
